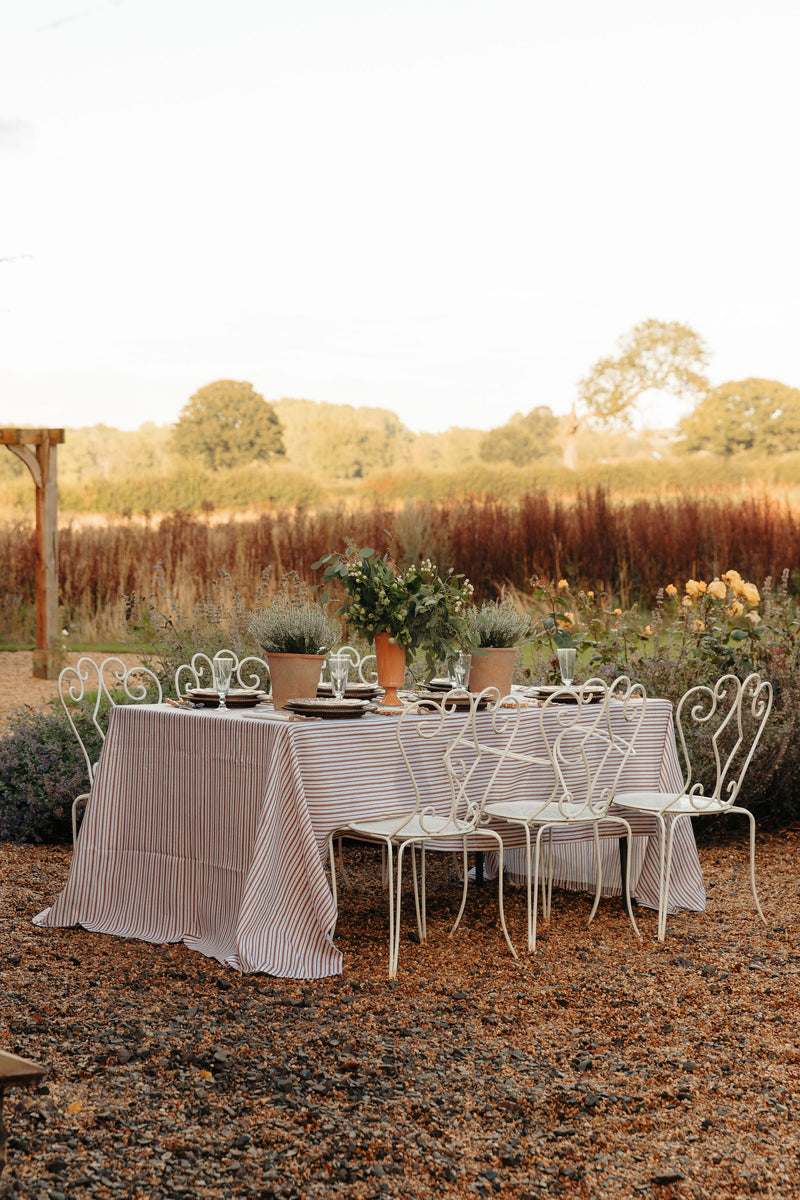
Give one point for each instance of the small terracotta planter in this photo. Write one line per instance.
(492, 666)
(294, 675)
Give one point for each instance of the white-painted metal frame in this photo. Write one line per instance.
(586, 752)
(471, 767)
(249, 672)
(88, 678)
(721, 709)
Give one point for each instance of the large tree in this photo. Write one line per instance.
(227, 424)
(663, 356)
(751, 414)
(521, 439)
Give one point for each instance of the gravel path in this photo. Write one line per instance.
(601, 1068)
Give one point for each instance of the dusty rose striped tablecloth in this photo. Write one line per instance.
(212, 829)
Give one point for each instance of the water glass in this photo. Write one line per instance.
(566, 665)
(458, 669)
(222, 669)
(338, 668)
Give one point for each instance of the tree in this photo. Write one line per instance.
(227, 424)
(751, 414)
(521, 439)
(660, 355)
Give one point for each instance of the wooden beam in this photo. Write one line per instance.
(30, 437)
(41, 463)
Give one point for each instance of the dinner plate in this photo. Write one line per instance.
(236, 697)
(564, 695)
(353, 691)
(319, 706)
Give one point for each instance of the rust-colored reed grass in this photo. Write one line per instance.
(626, 549)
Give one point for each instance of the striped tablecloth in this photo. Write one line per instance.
(212, 829)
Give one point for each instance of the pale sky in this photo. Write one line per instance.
(447, 208)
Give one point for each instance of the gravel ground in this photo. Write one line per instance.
(603, 1067)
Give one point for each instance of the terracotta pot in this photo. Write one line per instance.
(391, 666)
(294, 675)
(492, 666)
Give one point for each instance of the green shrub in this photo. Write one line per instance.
(42, 770)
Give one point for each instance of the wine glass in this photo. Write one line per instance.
(338, 669)
(458, 669)
(566, 664)
(222, 668)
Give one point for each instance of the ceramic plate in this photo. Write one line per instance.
(354, 691)
(318, 706)
(236, 697)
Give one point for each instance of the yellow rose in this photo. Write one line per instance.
(753, 618)
(590, 595)
(750, 593)
(736, 609)
(732, 577)
(686, 602)
(562, 583)
(698, 626)
(648, 631)
(567, 618)
(695, 587)
(717, 589)
(617, 612)
(671, 590)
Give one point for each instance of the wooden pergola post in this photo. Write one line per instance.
(37, 449)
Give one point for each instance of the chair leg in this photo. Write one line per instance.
(528, 880)
(662, 887)
(394, 919)
(752, 858)
(598, 873)
(536, 862)
(500, 907)
(627, 896)
(395, 935)
(667, 871)
(85, 797)
(463, 889)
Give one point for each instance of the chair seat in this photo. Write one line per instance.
(415, 829)
(669, 802)
(527, 813)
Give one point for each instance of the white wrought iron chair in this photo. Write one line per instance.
(470, 766)
(723, 710)
(249, 672)
(102, 681)
(587, 743)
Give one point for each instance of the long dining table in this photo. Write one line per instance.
(211, 828)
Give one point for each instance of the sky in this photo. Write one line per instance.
(447, 208)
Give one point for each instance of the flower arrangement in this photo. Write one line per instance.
(420, 608)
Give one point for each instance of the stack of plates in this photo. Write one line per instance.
(438, 685)
(566, 695)
(236, 697)
(353, 691)
(319, 706)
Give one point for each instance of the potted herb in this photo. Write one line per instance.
(495, 630)
(294, 633)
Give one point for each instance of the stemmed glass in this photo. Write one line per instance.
(338, 668)
(566, 665)
(222, 668)
(458, 669)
